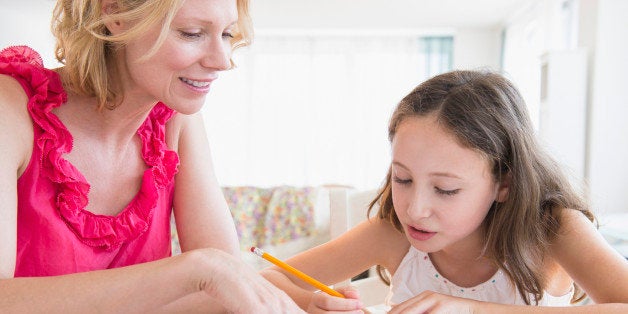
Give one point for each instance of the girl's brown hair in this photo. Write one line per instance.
(486, 113)
(84, 44)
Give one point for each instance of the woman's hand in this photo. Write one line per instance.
(322, 302)
(435, 303)
(238, 287)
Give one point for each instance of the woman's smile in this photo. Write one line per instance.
(201, 86)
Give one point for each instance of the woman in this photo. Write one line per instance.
(98, 152)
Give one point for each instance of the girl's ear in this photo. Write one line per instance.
(108, 8)
(502, 190)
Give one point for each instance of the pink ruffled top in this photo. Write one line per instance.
(55, 234)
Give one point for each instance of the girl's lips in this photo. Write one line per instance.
(421, 235)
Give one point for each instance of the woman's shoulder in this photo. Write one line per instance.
(15, 122)
(26, 66)
(11, 92)
(13, 101)
(175, 124)
(180, 126)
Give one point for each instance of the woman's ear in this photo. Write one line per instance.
(502, 189)
(109, 8)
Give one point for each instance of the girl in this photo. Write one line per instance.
(474, 216)
(96, 154)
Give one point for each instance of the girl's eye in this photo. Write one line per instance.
(402, 181)
(446, 192)
(227, 35)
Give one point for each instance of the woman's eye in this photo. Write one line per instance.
(190, 35)
(446, 192)
(227, 35)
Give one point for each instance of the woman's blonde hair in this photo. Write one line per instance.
(84, 44)
(486, 113)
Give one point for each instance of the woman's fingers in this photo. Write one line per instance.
(240, 289)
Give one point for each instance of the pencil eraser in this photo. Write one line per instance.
(253, 249)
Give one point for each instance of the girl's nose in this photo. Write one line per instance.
(419, 207)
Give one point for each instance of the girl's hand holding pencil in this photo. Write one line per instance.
(317, 284)
(320, 302)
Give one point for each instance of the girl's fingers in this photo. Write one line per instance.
(418, 304)
(327, 302)
(350, 292)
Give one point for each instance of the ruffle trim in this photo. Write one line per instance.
(45, 92)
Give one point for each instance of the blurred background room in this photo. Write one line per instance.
(309, 101)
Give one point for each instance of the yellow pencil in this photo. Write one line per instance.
(296, 272)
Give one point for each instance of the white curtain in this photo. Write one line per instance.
(312, 109)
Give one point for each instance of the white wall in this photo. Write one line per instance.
(542, 57)
(28, 23)
(608, 149)
(477, 48)
(602, 33)
(477, 42)
(381, 14)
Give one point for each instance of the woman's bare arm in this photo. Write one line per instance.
(223, 281)
(201, 212)
(16, 145)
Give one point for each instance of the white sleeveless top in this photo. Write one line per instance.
(416, 273)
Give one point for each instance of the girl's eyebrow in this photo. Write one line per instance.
(445, 174)
(432, 174)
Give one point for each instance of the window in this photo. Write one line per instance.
(314, 109)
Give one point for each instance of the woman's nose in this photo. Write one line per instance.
(218, 55)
